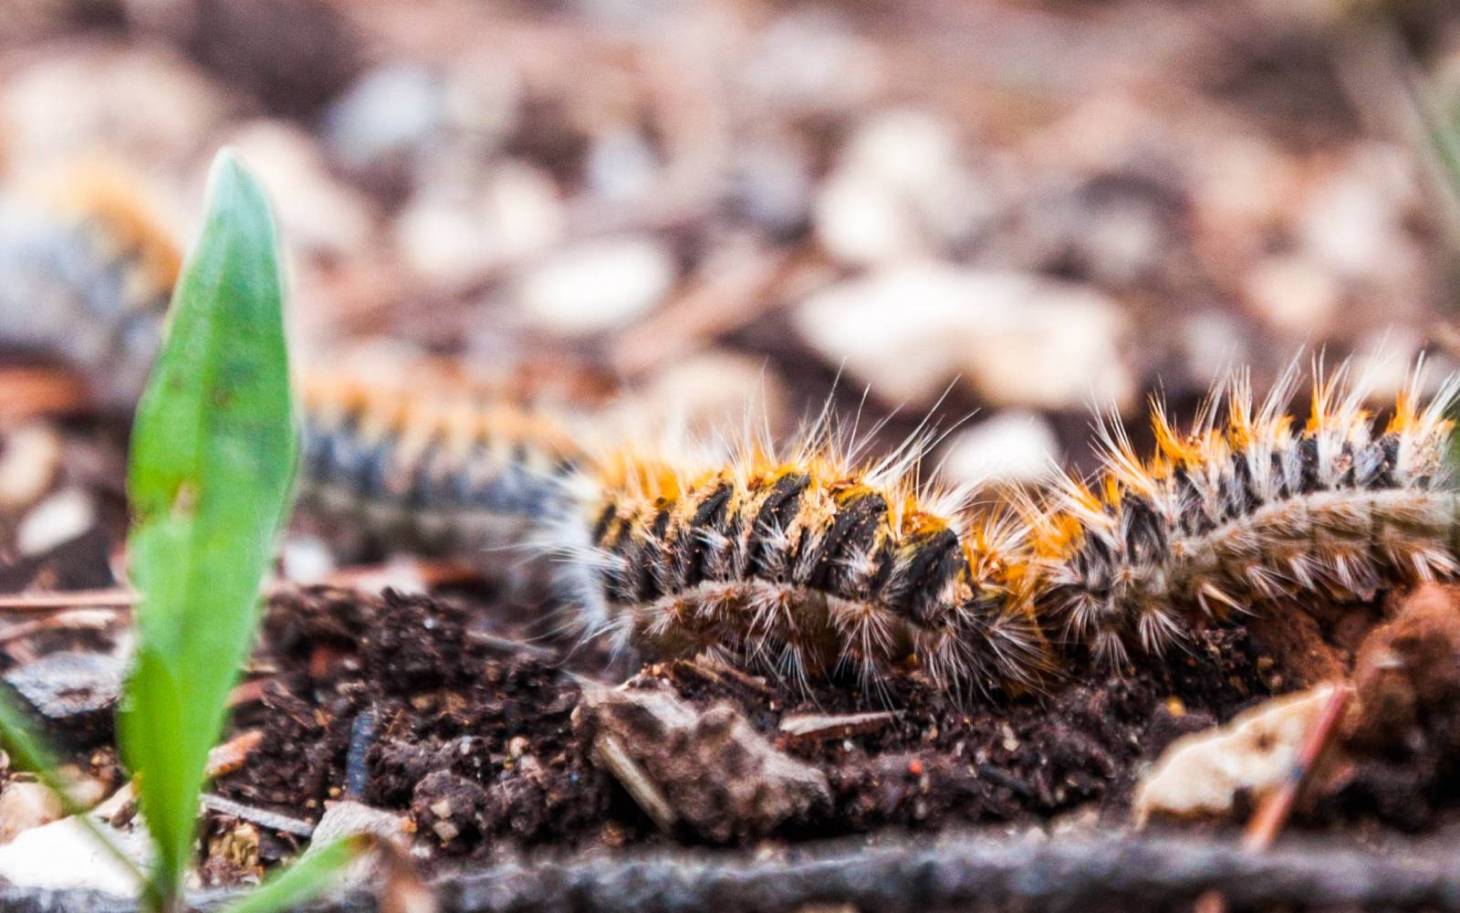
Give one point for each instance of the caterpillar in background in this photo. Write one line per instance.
(86, 274)
(86, 271)
(804, 561)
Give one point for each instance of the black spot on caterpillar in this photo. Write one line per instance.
(1246, 509)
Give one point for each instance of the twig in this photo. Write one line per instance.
(119, 598)
(820, 727)
(1273, 811)
(74, 620)
(260, 816)
(248, 692)
(28, 391)
(362, 735)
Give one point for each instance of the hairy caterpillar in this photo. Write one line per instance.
(86, 274)
(445, 473)
(805, 565)
(805, 561)
(1245, 509)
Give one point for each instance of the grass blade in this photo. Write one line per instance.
(212, 464)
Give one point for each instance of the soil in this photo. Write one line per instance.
(485, 722)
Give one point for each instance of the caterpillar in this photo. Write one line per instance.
(446, 473)
(810, 564)
(86, 274)
(1246, 509)
(808, 561)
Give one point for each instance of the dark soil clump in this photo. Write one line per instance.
(473, 734)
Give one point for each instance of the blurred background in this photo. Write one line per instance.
(1032, 207)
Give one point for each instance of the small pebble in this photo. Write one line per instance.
(60, 518)
(75, 693)
(1014, 445)
(25, 804)
(390, 112)
(596, 286)
(30, 456)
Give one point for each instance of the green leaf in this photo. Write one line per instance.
(313, 873)
(212, 465)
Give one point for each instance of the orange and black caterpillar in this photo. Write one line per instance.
(87, 274)
(811, 564)
(807, 565)
(1247, 508)
(448, 473)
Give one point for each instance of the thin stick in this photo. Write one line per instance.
(262, 816)
(1273, 811)
(119, 598)
(80, 619)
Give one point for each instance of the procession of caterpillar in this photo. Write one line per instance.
(1247, 508)
(809, 561)
(806, 563)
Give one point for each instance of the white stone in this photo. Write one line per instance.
(1020, 339)
(1353, 221)
(1200, 774)
(811, 60)
(145, 105)
(306, 559)
(899, 189)
(65, 855)
(315, 211)
(63, 516)
(860, 221)
(26, 804)
(1294, 294)
(1015, 445)
(389, 112)
(29, 460)
(456, 239)
(596, 286)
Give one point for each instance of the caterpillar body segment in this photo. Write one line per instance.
(807, 566)
(86, 274)
(1249, 508)
(439, 473)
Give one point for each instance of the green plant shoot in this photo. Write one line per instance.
(209, 479)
